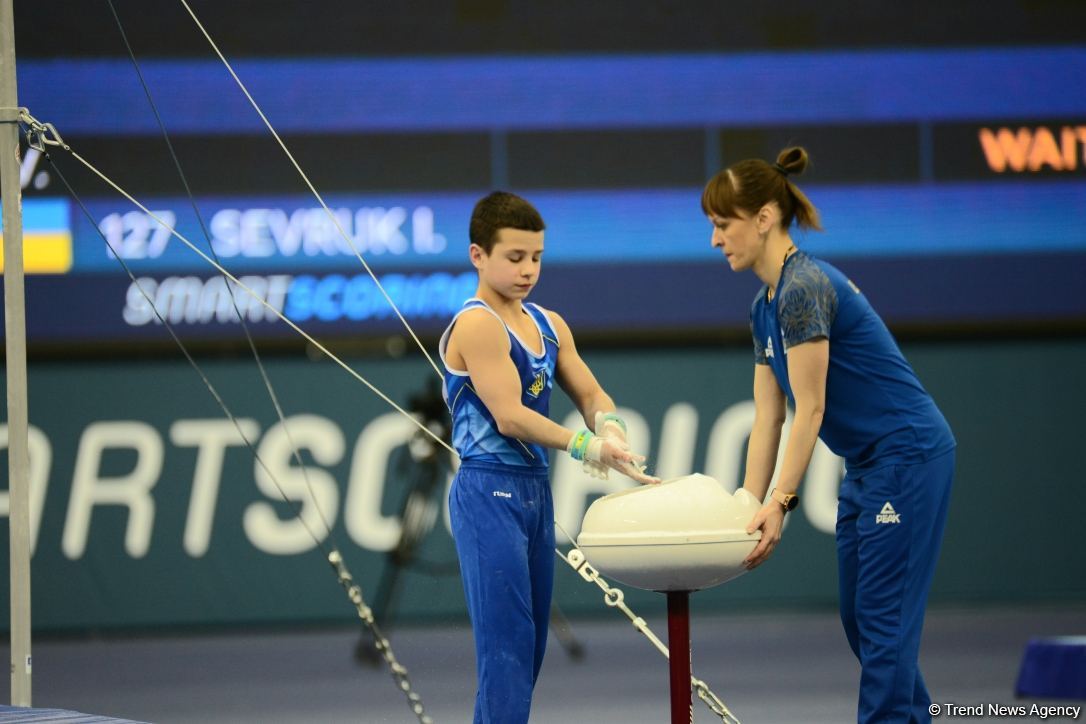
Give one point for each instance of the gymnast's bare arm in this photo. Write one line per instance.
(575, 378)
(482, 341)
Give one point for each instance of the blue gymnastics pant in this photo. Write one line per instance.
(503, 523)
(890, 525)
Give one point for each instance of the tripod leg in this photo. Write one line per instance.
(563, 631)
(417, 521)
(417, 516)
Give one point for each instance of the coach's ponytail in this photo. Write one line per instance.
(751, 184)
(792, 162)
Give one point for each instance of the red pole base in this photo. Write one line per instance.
(678, 644)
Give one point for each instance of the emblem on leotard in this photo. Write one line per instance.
(537, 384)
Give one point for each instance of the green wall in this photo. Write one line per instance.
(131, 432)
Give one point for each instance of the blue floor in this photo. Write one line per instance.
(776, 668)
(19, 714)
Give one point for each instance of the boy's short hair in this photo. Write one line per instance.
(501, 210)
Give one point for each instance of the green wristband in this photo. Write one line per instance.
(612, 417)
(578, 446)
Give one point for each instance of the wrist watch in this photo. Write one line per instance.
(788, 501)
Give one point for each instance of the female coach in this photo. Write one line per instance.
(819, 344)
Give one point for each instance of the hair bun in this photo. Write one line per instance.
(792, 161)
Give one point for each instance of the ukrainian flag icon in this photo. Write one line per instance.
(47, 237)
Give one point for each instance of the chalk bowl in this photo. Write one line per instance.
(685, 534)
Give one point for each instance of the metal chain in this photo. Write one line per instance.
(399, 671)
(615, 598)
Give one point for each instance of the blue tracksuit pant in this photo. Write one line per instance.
(889, 527)
(503, 523)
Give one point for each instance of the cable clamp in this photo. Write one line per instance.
(713, 701)
(38, 134)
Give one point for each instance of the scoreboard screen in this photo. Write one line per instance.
(951, 183)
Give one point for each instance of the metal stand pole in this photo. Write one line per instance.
(15, 330)
(678, 644)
